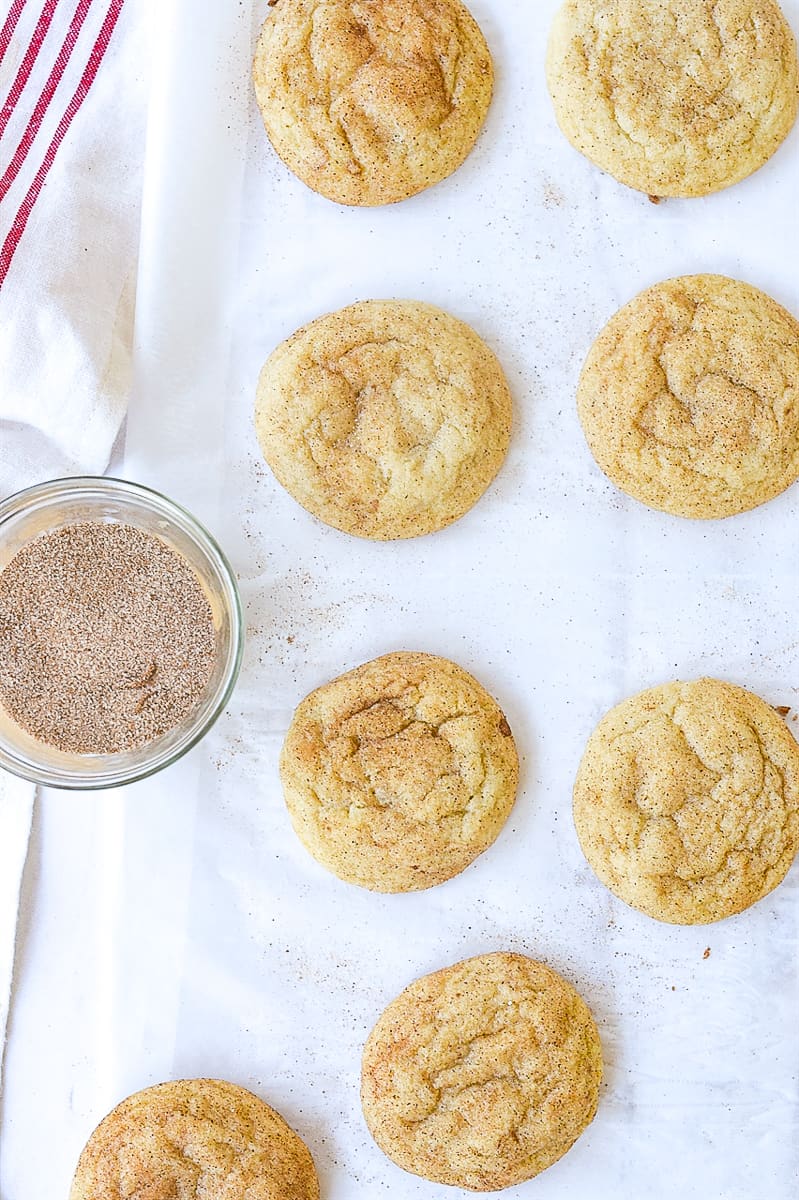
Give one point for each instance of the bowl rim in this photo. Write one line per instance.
(15, 504)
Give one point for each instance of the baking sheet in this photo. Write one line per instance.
(205, 940)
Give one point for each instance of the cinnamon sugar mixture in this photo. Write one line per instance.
(106, 638)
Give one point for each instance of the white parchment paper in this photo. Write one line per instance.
(233, 954)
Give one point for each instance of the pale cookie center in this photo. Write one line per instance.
(388, 416)
(702, 800)
(189, 1153)
(677, 78)
(384, 76)
(486, 1082)
(387, 758)
(714, 405)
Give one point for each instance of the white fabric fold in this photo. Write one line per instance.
(73, 103)
(16, 812)
(67, 301)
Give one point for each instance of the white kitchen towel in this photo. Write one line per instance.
(72, 125)
(16, 807)
(72, 89)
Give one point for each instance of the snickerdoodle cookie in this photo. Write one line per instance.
(387, 419)
(689, 398)
(674, 97)
(194, 1137)
(400, 773)
(371, 101)
(687, 801)
(482, 1075)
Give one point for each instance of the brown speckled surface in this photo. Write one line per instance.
(689, 397)
(209, 941)
(483, 1074)
(400, 773)
(370, 101)
(674, 98)
(190, 1138)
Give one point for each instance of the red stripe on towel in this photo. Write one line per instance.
(43, 103)
(87, 79)
(9, 25)
(26, 66)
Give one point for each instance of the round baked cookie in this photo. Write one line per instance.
(482, 1075)
(687, 801)
(194, 1137)
(371, 101)
(674, 97)
(400, 773)
(689, 397)
(387, 419)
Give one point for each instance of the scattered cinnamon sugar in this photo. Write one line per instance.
(106, 638)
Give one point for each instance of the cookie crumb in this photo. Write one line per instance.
(782, 709)
(707, 953)
(655, 199)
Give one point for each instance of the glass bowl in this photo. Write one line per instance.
(49, 506)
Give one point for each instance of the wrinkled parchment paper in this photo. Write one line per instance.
(195, 935)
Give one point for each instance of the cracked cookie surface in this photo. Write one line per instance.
(689, 397)
(194, 1138)
(400, 773)
(387, 419)
(674, 97)
(371, 101)
(482, 1075)
(687, 801)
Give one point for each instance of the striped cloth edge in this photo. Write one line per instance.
(30, 156)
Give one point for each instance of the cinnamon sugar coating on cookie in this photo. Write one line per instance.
(482, 1075)
(387, 419)
(194, 1137)
(689, 397)
(687, 801)
(674, 97)
(400, 773)
(370, 101)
